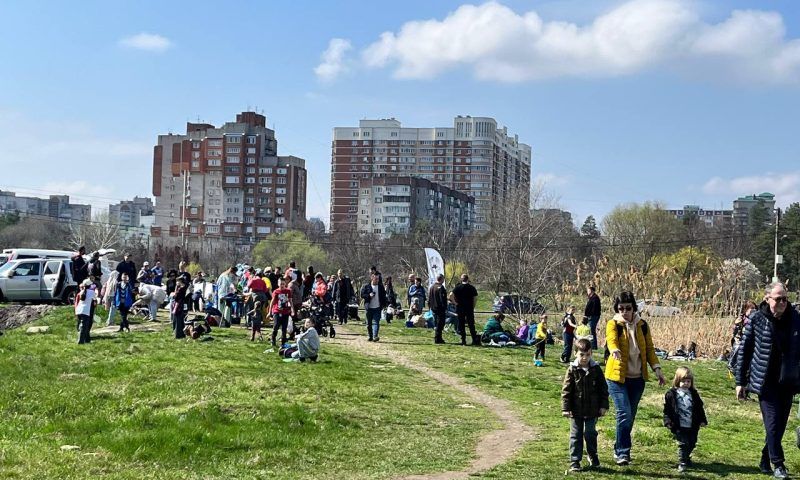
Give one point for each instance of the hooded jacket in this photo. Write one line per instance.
(617, 339)
(671, 417)
(762, 335)
(584, 392)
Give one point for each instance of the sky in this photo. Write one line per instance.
(682, 102)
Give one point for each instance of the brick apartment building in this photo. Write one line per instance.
(236, 185)
(395, 204)
(474, 157)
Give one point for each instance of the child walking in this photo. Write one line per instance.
(257, 319)
(584, 398)
(541, 338)
(684, 415)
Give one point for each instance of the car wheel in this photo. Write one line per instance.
(68, 298)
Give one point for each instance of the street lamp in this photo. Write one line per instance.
(778, 258)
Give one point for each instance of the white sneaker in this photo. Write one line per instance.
(511, 344)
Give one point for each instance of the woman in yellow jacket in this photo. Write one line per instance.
(631, 349)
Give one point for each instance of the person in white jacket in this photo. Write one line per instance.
(108, 296)
(83, 310)
(154, 296)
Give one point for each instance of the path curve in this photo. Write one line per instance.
(493, 448)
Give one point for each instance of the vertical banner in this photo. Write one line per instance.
(435, 265)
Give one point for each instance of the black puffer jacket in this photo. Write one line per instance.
(758, 340)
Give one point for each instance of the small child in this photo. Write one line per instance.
(257, 319)
(684, 415)
(584, 398)
(541, 338)
(522, 331)
(583, 330)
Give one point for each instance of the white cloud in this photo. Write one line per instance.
(785, 186)
(333, 60)
(146, 41)
(550, 180)
(499, 44)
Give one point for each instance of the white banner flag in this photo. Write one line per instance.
(435, 265)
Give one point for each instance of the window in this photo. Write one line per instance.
(195, 154)
(210, 229)
(230, 228)
(281, 171)
(27, 269)
(195, 164)
(193, 211)
(251, 160)
(233, 150)
(51, 268)
(250, 170)
(195, 144)
(282, 181)
(234, 139)
(250, 180)
(215, 153)
(231, 179)
(215, 143)
(280, 200)
(232, 160)
(280, 191)
(355, 134)
(263, 230)
(251, 140)
(251, 150)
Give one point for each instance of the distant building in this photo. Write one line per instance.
(390, 205)
(317, 225)
(129, 213)
(563, 215)
(473, 156)
(56, 206)
(743, 206)
(236, 185)
(712, 218)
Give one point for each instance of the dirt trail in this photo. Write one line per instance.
(493, 448)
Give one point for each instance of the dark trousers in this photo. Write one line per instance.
(123, 315)
(439, 317)
(687, 440)
(180, 317)
(84, 327)
(593, 327)
(581, 429)
(540, 348)
(341, 312)
(776, 405)
(467, 319)
(569, 338)
(280, 322)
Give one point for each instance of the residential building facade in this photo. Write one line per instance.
(57, 207)
(226, 182)
(712, 218)
(388, 205)
(743, 206)
(473, 156)
(129, 213)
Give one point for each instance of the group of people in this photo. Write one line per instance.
(767, 364)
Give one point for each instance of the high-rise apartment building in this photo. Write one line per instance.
(743, 206)
(226, 181)
(129, 213)
(390, 205)
(473, 156)
(57, 207)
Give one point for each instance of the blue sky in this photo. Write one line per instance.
(681, 102)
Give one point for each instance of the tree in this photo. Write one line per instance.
(789, 246)
(94, 235)
(589, 229)
(35, 233)
(636, 233)
(738, 280)
(280, 249)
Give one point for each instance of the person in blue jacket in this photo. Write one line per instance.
(123, 299)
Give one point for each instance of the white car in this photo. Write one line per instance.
(37, 280)
(654, 308)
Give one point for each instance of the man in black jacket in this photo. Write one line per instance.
(437, 299)
(592, 312)
(465, 296)
(79, 270)
(374, 296)
(342, 294)
(768, 364)
(127, 266)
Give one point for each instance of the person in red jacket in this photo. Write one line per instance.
(281, 306)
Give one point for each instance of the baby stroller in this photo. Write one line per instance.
(322, 314)
(352, 310)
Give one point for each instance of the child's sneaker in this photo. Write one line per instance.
(621, 460)
(682, 467)
(594, 462)
(575, 467)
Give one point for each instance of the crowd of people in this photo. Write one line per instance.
(765, 349)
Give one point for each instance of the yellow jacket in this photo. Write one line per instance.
(541, 331)
(616, 369)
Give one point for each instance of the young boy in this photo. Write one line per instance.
(584, 398)
(257, 319)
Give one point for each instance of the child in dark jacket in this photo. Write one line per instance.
(584, 398)
(684, 415)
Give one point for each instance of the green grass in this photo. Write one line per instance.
(729, 448)
(143, 405)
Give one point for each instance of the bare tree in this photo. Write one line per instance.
(35, 233)
(94, 235)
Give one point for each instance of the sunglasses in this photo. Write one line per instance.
(625, 308)
(780, 299)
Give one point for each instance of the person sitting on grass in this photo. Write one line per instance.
(584, 398)
(493, 333)
(306, 346)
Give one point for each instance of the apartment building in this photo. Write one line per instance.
(388, 205)
(743, 206)
(130, 213)
(57, 207)
(226, 181)
(711, 217)
(473, 156)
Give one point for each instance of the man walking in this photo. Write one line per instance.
(465, 296)
(127, 266)
(767, 365)
(592, 312)
(374, 296)
(342, 293)
(79, 270)
(437, 299)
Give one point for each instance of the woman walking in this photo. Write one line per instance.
(631, 350)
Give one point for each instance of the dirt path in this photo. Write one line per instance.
(494, 448)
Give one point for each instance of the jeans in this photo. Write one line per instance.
(280, 321)
(580, 429)
(569, 339)
(776, 405)
(112, 311)
(626, 398)
(687, 440)
(593, 326)
(373, 322)
(84, 327)
(153, 310)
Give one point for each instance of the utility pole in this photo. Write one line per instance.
(183, 212)
(778, 258)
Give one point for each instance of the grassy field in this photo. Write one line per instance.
(143, 405)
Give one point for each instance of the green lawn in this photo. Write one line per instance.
(143, 405)
(729, 448)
